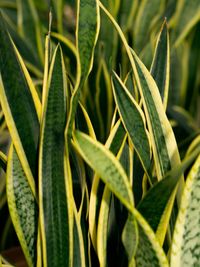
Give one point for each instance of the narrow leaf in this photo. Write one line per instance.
(161, 63)
(23, 207)
(16, 96)
(133, 120)
(88, 20)
(186, 244)
(54, 209)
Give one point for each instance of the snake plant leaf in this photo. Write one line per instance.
(20, 104)
(133, 120)
(187, 15)
(53, 197)
(102, 229)
(29, 26)
(79, 248)
(164, 145)
(130, 238)
(185, 246)
(114, 143)
(144, 19)
(23, 207)
(157, 210)
(105, 165)
(88, 22)
(111, 172)
(161, 63)
(103, 219)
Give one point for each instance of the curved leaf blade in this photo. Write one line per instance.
(106, 166)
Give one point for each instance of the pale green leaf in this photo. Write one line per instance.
(186, 243)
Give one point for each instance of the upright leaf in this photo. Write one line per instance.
(23, 207)
(87, 31)
(53, 191)
(186, 243)
(18, 101)
(133, 120)
(161, 63)
(149, 252)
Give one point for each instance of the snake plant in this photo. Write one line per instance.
(99, 122)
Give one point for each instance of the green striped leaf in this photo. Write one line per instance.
(88, 20)
(114, 143)
(161, 63)
(154, 208)
(133, 120)
(164, 145)
(187, 15)
(53, 191)
(23, 207)
(109, 169)
(105, 165)
(186, 243)
(19, 101)
(103, 219)
(130, 238)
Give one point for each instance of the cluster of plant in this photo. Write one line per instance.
(99, 128)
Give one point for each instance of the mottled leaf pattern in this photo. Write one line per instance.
(23, 207)
(52, 184)
(186, 242)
